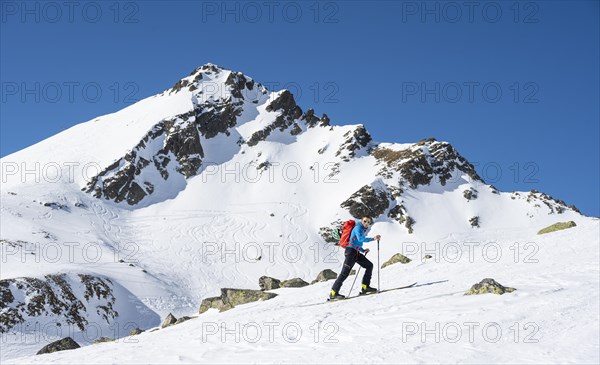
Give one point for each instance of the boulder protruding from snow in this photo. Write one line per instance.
(557, 227)
(66, 343)
(489, 286)
(231, 297)
(104, 339)
(325, 275)
(182, 319)
(135, 331)
(395, 259)
(268, 283)
(169, 321)
(294, 283)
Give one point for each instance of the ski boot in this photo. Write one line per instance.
(335, 296)
(366, 290)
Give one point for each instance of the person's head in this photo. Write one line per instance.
(366, 221)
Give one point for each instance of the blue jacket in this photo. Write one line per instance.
(357, 237)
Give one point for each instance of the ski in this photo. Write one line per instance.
(360, 295)
(384, 290)
(402, 287)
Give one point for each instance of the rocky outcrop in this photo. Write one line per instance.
(136, 331)
(470, 194)
(103, 339)
(474, 221)
(168, 321)
(489, 286)
(213, 302)
(182, 319)
(66, 343)
(555, 206)
(424, 161)
(354, 140)
(172, 145)
(288, 111)
(54, 296)
(268, 283)
(232, 297)
(397, 258)
(312, 120)
(325, 275)
(557, 227)
(399, 214)
(367, 201)
(294, 283)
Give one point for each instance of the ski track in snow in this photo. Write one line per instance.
(185, 234)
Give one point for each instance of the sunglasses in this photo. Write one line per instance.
(368, 222)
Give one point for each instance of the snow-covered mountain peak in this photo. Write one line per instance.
(187, 176)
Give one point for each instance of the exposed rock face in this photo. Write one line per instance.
(54, 296)
(474, 221)
(557, 227)
(174, 146)
(355, 140)
(488, 286)
(325, 275)
(268, 283)
(169, 321)
(312, 120)
(397, 213)
(419, 164)
(238, 83)
(231, 297)
(180, 152)
(554, 205)
(294, 283)
(538, 199)
(470, 194)
(367, 201)
(395, 259)
(289, 113)
(66, 343)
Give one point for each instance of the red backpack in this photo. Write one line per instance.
(346, 230)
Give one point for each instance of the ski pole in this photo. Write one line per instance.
(378, 269)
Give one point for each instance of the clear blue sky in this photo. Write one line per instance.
(359, 62)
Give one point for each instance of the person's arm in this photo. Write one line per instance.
(360, 236)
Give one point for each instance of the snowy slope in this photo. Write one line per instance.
(551, 318)
(217, 182)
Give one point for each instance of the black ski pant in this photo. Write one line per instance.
(352, 256)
